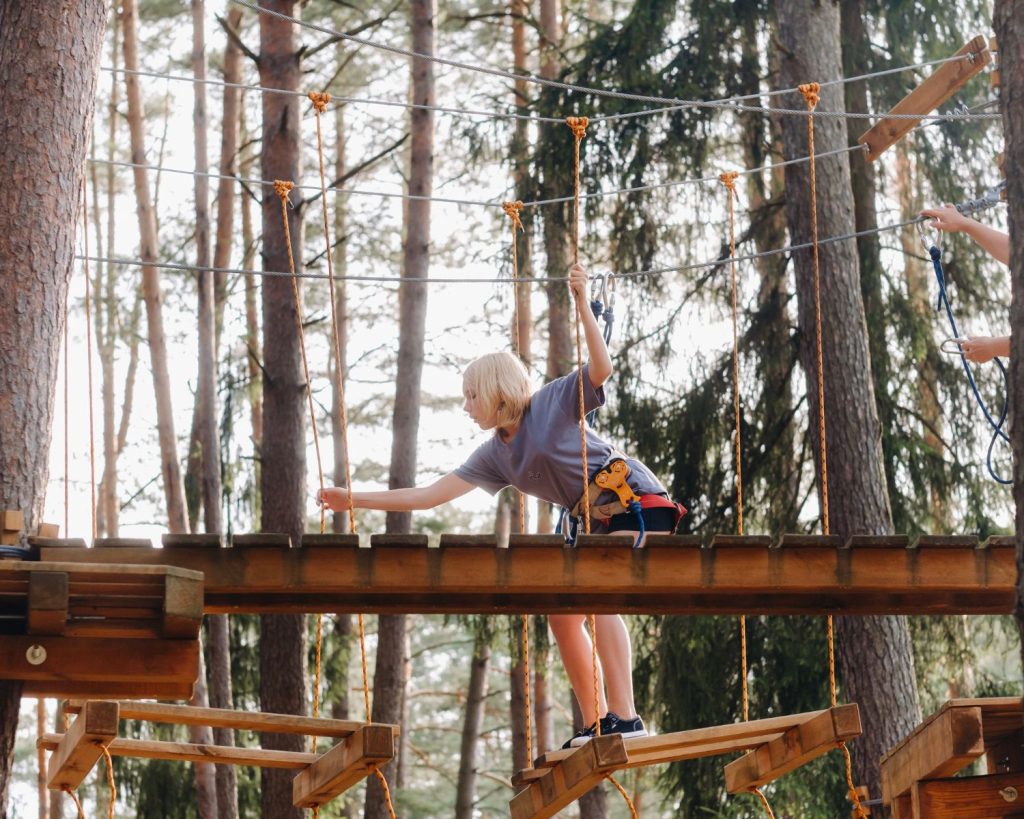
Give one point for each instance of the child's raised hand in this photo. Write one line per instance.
(947, 218)
(980, 349)
(334, 498)
(578, 279)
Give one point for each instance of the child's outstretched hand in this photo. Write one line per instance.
(980, 349)
(948, 218)
(578, 279)
(334, 498)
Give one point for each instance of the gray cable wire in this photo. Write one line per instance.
(600, 92)
(477, 203)
(397, 280)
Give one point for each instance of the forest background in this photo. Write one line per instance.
(671, 397)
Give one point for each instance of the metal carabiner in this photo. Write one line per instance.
(601, 286)
(922, 235)
(951, 346)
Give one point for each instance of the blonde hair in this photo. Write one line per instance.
(501, 383)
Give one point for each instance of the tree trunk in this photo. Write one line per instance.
(543, 712)
(1009, 28)
(47, 126)
(388, 682)
(206, 787)
(219, 647)
(874, 652)
(174, 490)
(253, 291)
(283, 477)
(225, 202)
(476, 697)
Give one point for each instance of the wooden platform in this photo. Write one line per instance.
(603, 574)
(917, 774)
(775, 746)
(360, 747)
(100, 630)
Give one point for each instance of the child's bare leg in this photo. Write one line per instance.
(616, 653)
(577, 655)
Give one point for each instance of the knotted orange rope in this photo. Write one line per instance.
(811, 96)
(74, 798)
(110, 781)
(512, 210)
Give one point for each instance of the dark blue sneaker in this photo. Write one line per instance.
(580, 737)
(611, 724)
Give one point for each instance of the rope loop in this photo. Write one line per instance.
(629, 802)
(512, 210)
(578, 125)
(75, 799)
(282, 188)
(812, 94)
(319, 100)
(728, 178)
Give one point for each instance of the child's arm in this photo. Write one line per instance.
(992, 241)
(980, 349)
(600, 363)
(445, 489)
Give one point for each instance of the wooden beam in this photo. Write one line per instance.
(47, 602)
(182, 605)
(939, 747)
(797, 746)
(942, 84)
(191, 752)
(538, 575)
(11, 520)
(350, 761)
(969, 797)
(75, 752)
(94, 660)
(566, 781)
(141, 689)
(227, 718)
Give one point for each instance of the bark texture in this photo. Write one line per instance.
(389, 675)
(874, 653)
(283, 475)
(47, 96)
(476, 697)
(1009, 28)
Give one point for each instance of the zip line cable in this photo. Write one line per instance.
(397, 280)
(729, 103)
(471, 202)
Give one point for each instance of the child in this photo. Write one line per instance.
(536, 448)
(997, 244)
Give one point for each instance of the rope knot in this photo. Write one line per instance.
(578, 125)
(512, 210)
(319, 100)
(811, 94)
(282, 188)
(728, 178)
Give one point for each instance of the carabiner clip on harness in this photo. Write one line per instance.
(935, 252)
(611, 477)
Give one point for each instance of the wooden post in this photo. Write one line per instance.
(348, 762)
(92, 731)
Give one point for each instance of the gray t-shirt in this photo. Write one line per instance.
(543, 459)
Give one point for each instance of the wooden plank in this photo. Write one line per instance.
(10, 538)
(800, 541)
(401, 541)
(77, 750)
(264, 539)
(521, 541)
(570, 778)
(528, 577)
(942, 84)
(613, 541)
(202, 541)
(350, 761)
(939, 747)
(11, 520)
(329, 541)
(726, 541)
(469, 541)
(191, 752)
(47, 602)
(797, 746)
(662, 540)
(946, 542)
(56, 542)
(48, 530)
(182, 607)
(970, 797)
(122, 543)
(227, 718)
(141, 689)
(80, 659)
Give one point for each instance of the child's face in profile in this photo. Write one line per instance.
(485, 417)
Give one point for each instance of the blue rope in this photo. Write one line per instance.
(997, 426)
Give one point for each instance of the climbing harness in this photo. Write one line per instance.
(953, 345)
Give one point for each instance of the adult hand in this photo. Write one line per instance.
(578, 279)
(980, 349)
(334, 498)
(948, 218)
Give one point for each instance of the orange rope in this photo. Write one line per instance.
(110, 781)
(512, 210)
(88, 348)
(67, 499)
(592, 623)
(810, 92)
(78, 804)
(526, 688)
(764, 801)
(629, 802)
(387, 791)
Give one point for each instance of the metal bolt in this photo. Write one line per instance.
(36, 655)
(1009, 794)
